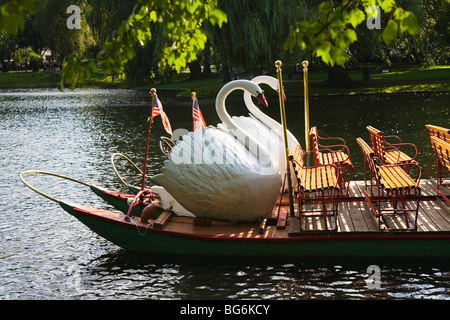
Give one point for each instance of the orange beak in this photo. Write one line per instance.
(263, 100)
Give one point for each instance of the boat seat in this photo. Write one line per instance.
(327, 151)
(317, 191)
(388, 152)
(441, 150)
(443, 134)
(388, 186)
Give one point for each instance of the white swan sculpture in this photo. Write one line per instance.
(266, 130)
(223, 175)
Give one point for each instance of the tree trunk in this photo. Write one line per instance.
(195, 70)
(207, 58)
(338, 78)
(226, 77)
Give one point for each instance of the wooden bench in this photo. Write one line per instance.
(388, 186)
(316, 185)
(441, 150)
(337, 154)
(443, 134)
(388, 152)
(440, 132)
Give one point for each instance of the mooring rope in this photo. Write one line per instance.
(50, 174)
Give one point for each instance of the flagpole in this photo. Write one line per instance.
(150, 120)
(193, 95)
(305, 83)
(283, 122)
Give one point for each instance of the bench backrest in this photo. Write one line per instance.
(377, 141)
(440, 132)
(297, 154)
(315, 144)
(442, 150)
(368, 154)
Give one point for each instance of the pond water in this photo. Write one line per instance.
(47, 254)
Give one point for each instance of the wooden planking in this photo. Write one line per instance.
(354, 215)
(434, 215)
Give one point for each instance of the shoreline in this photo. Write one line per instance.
(182, 92)
(413, 80)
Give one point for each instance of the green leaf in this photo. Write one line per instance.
(324, 51)
(409, 23)
(390, 32)
(350, 35)
(386, 5)
(355, 17)
(338, 56)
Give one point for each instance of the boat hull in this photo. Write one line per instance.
(146, 239)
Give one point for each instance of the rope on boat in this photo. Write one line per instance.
(50, 174)
(117, 172)
(131, 162)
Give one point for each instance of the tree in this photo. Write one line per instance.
(331, 32)
(7, 47)
(327, 35)
(252, 38)
(182, 28)
(12, 14)
(55, 33)
(25, 56)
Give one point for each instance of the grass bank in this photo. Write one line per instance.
(397, 79)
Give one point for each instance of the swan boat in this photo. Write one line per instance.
(271, 228)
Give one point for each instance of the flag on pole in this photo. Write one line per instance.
(198, 121)
(158, 111)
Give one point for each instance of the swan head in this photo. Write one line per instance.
(270, 81)
(263, 100)
(258, 93)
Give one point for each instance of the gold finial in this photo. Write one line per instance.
(278, 64)
(305, 64)
(153, 91)
(193, 95)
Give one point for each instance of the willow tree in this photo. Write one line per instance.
(105, 16)
(182, 28)
(332, 30)
(252, 39)
(51, 22)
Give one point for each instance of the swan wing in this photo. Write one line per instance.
(218, 180)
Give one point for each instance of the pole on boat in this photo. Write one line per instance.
(143, 190)
(283, 122)
(193, 96)
(305, 84)
(150, 120)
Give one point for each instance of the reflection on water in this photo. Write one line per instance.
(47, 254)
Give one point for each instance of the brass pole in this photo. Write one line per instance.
(305, 84)
(283, 123)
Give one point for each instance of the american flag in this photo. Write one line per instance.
(197, 116)
(158, 111)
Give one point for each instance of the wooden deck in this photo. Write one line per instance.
(354, 214)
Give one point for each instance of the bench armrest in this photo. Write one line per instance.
(397, 146)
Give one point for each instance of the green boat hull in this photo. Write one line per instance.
(399, 245)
